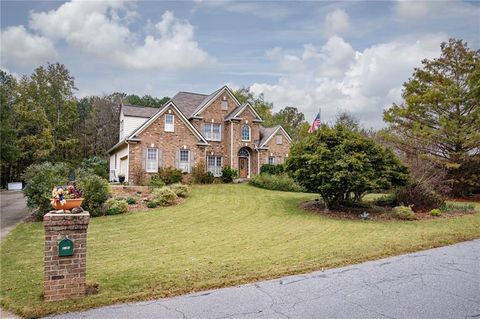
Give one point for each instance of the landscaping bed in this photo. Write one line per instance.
(375, 212)
(141, 194)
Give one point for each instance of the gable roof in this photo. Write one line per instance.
(239, 109)
(138, 111)
(269, 132)
(187, 102)
(209, 99)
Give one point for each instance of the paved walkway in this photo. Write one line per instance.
(13, 209)
(436, 283)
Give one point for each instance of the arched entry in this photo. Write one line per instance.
(243, 162)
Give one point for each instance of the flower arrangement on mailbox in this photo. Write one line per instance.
(66, 197)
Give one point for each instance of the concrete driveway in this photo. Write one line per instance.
(13, 209)
(437, 283)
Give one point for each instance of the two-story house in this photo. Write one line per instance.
(195, 128)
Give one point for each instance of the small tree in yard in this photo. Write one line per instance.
(342, 165)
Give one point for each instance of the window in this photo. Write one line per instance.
(245, 132)
(212, 132)
(279, 139)
(271, 160)
(152, 160)
(224, 105)
(214, 165)
(184, 163)
(169, 122)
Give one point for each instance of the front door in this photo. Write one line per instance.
(243, 162)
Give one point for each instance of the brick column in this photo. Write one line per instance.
(64, 277)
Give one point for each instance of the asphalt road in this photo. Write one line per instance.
(437, 283)
(13, 209)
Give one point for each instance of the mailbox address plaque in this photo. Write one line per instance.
(65, 247)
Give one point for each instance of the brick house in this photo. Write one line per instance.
(194, 128)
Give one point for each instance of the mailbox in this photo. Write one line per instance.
(65, 247)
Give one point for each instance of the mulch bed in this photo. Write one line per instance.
(374, 212)
(142, 194)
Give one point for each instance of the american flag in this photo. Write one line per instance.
(316, 124)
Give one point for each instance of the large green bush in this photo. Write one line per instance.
(115, 207)
(276, 182)
(164, 196)
(272, 169)
(96, 165)
(342, 165)
(200, 175)
(170, 175)
(228, 174)
(95, 190)
(156, 181)
(39, 182)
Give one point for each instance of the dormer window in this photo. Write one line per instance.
(245, 132)
(169, 123)
(224, 105)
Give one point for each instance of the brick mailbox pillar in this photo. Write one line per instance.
(65, 255)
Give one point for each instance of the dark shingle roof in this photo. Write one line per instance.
(266, 132)
(205, 101)
(139, 111)
(187, 102)
(234, 112)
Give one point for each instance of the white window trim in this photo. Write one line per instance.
(249, 133)
(273, 160)
(217, 168)
(155, 170)
(172, 125)
(224, 102)
(210, 138)
(186, 168)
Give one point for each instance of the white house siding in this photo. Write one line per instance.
(115, 159)
(130, 124)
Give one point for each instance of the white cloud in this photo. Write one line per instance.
(23, 49)
(339, 78)
(336, 22)
(102, 28)
(412, 9)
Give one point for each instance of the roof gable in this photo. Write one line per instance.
(187, 102)
(240, 109)
(161, 111)
(212, 97)
(269, 132)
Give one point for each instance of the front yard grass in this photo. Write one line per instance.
(222, 235)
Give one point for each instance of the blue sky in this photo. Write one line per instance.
(351, 56)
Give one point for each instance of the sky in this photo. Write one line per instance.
(349, 56)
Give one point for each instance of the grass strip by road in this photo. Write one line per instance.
(222, 235)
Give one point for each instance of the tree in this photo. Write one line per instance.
(133, 99)
(52, 87)
(9, 150)
(440, 116)
(290, 119)
(342, 165)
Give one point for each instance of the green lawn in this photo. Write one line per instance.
(221, 235)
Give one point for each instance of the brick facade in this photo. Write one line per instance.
(64, 277)
(279, 151)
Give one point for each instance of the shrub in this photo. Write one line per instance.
(152, 204)
(276, 182)
(131, 200)
(419, 196)
(96, 165)
(385, 200)
(342, 165)
(95, 190)
(181, 190)
(39, 181)
(115, 207)
(435, 212)
(156, 181)
(404, 212)
(228, 174)
(272, 169)
(457, 207)
(170, 175)
(164, 196)
(200, 176)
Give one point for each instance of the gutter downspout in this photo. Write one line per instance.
(231, 144)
